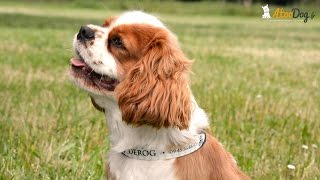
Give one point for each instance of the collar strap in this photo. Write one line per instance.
(152, 154)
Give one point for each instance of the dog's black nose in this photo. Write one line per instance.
(85, 33)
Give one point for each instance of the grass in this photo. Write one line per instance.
(259, 82)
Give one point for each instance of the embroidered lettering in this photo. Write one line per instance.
(153, 153)
(138, 152)
(144, 154)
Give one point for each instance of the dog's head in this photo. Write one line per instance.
(135, 59)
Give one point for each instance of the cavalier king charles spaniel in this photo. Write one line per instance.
(135, 72)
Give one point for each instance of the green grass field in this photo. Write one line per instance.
(259, 82)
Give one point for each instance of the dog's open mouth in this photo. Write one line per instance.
(83, 71)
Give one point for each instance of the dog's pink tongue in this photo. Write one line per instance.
(77, 62)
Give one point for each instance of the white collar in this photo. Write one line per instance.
(152, 154)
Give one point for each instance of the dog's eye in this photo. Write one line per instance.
(116, 41)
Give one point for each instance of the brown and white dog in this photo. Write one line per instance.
(135, 72)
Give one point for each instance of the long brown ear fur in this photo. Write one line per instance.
(155, 91)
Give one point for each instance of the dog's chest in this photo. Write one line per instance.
(124, 168)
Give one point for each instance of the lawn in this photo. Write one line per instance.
(258, 80)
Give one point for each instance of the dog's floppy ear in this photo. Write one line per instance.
(156, 92)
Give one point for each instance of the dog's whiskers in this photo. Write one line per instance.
(91, 72)
(101, 78)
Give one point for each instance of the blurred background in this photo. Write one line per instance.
(257, 79)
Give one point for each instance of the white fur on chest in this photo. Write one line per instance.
(123, 136)
(123, 168)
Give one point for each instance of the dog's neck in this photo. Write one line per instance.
(124, 136)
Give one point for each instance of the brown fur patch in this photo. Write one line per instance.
(109, 21)
(210, 162)
(154, 89)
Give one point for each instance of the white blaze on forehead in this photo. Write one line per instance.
(97, 28)
(138, 17)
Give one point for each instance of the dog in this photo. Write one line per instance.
(266, 14)
(135, 73)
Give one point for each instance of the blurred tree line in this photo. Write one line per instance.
(96, 3)
(276, 2)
